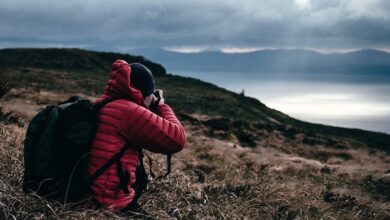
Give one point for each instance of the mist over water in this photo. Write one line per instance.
(345, 100)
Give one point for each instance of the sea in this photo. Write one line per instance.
(344, 100)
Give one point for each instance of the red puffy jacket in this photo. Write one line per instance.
(128, 120)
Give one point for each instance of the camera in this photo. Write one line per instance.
(157, 94)
(153, 106)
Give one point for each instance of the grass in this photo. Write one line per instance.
(69, 70)
(206, 183)
(241, 160)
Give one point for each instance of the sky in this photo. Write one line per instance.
(191, 26)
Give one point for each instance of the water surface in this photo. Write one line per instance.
(346, 100)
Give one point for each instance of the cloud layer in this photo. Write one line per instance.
(211, 24)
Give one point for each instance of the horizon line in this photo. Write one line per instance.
(191, 50)
(238, 50)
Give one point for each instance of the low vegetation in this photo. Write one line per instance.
(241, 160)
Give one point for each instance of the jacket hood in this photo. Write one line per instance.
(119, 85)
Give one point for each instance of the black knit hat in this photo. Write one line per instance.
(142, 78)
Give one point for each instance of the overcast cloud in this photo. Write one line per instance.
(206, 24)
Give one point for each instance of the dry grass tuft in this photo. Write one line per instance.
(6, 83)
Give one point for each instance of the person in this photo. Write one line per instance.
(128, 119)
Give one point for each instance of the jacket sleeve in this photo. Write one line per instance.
(160, 133)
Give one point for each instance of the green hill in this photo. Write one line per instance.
(69, 59)
(242, 160)
(70, 70)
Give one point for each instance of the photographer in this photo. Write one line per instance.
(136, 119)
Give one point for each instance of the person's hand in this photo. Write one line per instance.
(159, 93)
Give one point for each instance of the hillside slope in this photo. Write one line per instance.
(241, 159)
(87, 71)
(228, 110)
(69, 59)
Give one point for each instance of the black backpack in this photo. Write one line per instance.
(56, 152)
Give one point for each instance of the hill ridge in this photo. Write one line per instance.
(274, 61)
(186, 94)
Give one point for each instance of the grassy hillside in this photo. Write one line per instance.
(87, 71)
(241, 160)
(188, 95)
(69, 59)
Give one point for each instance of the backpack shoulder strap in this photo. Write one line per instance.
(102, 103)
(117, 156)
(113, 160)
